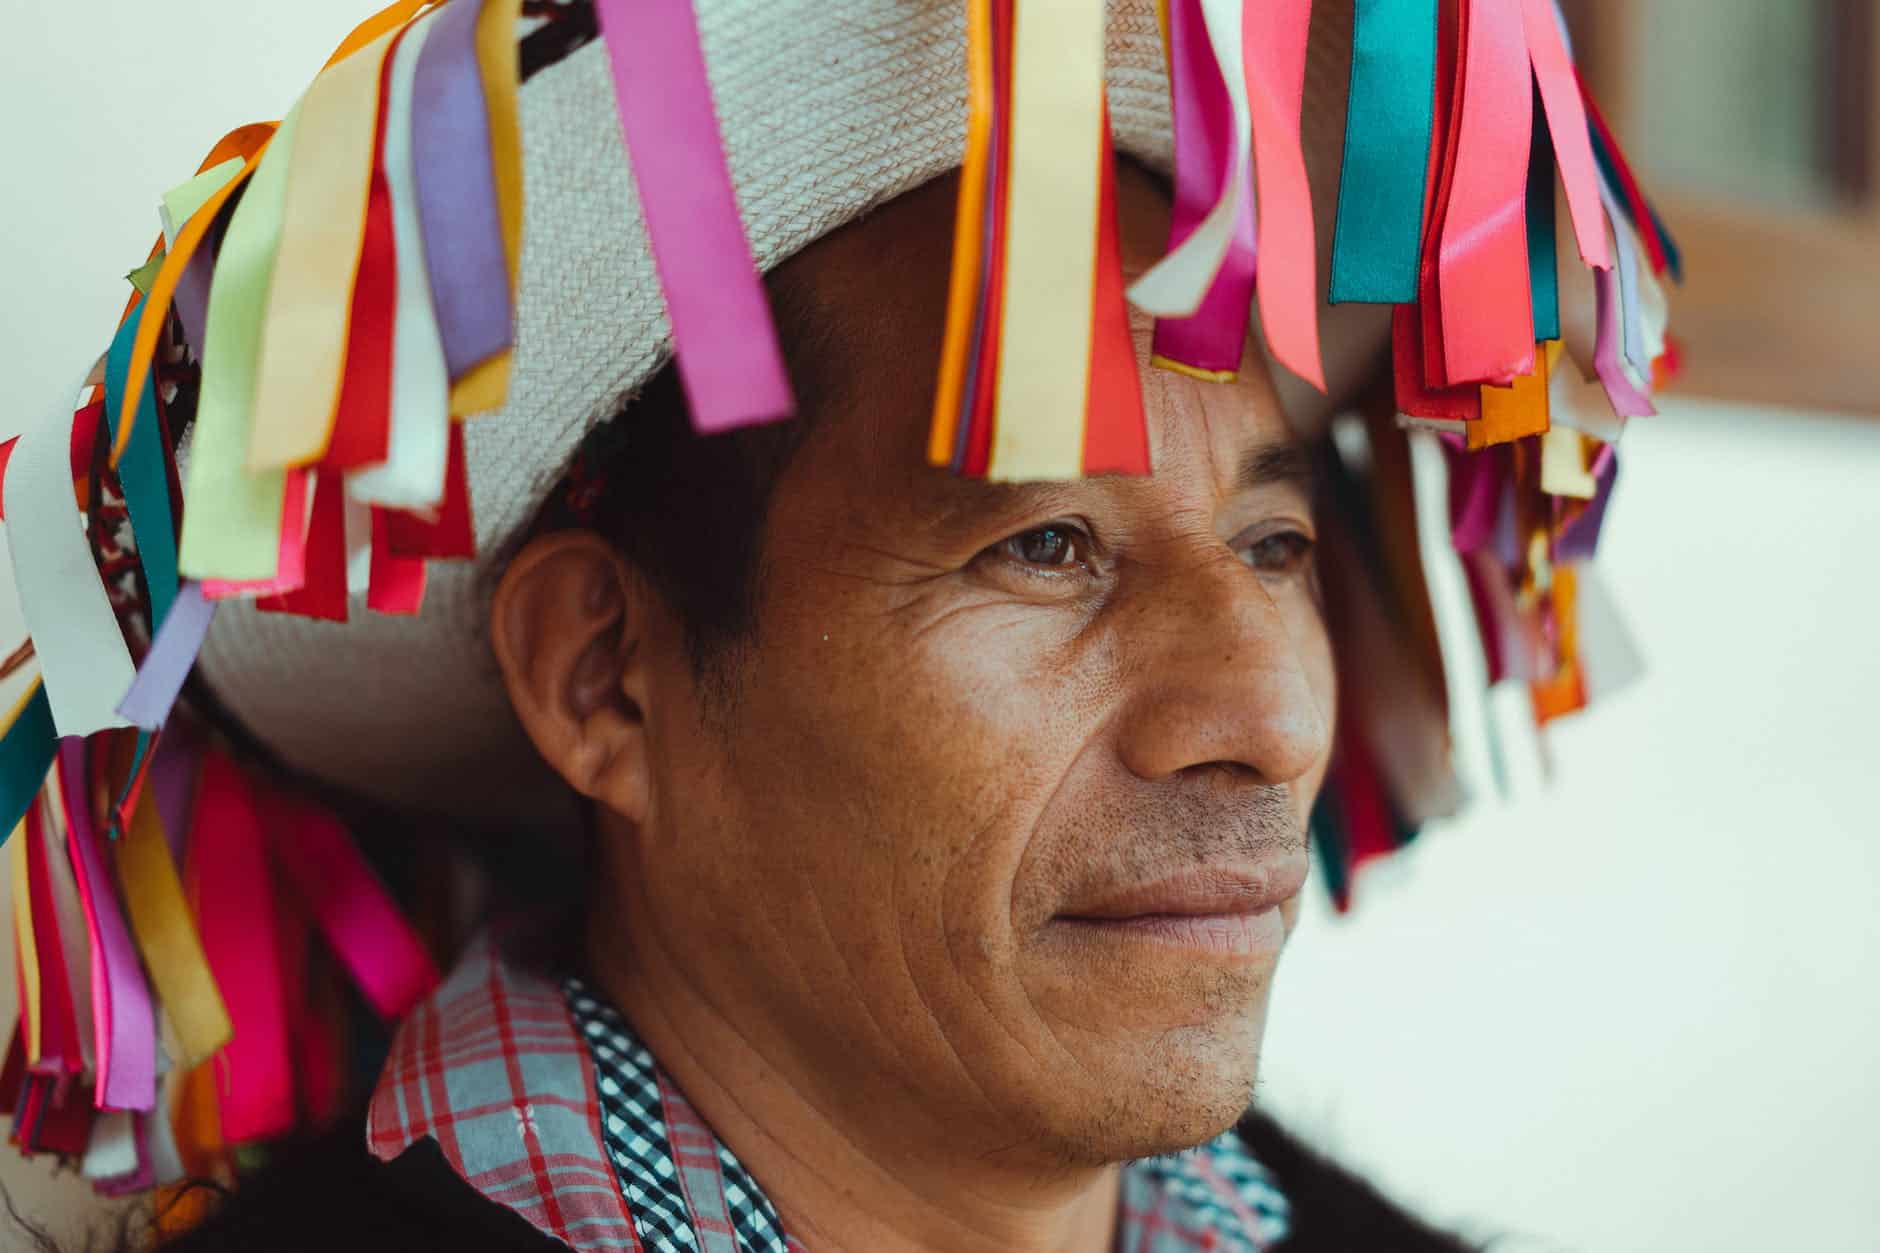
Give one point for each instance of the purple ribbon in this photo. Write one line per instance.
(1581, 537)
(1627, 400)
(456, 181)
(167, 664)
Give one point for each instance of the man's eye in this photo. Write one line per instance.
(1053, 546)
(1282, 553)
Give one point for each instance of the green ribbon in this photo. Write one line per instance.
(1387, 146)
(25, 756)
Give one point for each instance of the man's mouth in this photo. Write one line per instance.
(1226, 910)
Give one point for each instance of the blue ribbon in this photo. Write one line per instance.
(1387, 147)
(144, 473)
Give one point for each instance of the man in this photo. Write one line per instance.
(991, 800)
(943, 833)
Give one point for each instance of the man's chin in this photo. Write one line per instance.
(1194, 1085)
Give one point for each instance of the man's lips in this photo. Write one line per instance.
(1203, 891)
(1224, 910)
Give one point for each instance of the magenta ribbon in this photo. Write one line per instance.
(456, 181)
(60, 1054)
(1212, 337)
(354, 912)
(723, 339)
(1476, 487)
(229, 863)
(122, 1016)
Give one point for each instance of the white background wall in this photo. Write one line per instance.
(1638, 1009)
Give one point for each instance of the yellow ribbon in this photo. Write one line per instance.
(26, 946)
(1051, 240)
(166, 935)
(303, 336)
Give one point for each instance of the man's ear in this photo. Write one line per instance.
(567, 623)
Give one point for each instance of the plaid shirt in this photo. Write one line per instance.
(543, 1099)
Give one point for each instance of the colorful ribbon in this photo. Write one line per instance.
(1176, 285)
(122, 1017)
(1274, 53)
(965, 281)
(144, 472)
(412, 476)
(455, 177)
(233, 522)
(1388, 125)
(167, 938)
(1543, 270)
(1565, 112)
(486, 386)
(229, 872)
(361, 923)
(303, 349)
(81, 651)
(167, 665)
(247, 142)
(1209, 342)
(1486, 309)
(728, 357)
(1052, 224)
(26, 753)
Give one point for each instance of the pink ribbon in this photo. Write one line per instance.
(724, 341)
(122, 1017)
(1212, 337)
(1274, 45)
(1487, 302)
(1566, 123)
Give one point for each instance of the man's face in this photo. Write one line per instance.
(1001, 832)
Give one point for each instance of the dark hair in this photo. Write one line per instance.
(687, 509)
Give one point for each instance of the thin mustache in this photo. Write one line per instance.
(1191, 829)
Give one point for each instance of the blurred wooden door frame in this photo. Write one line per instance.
(1777, 306)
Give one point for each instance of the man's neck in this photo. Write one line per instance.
(838, 1188)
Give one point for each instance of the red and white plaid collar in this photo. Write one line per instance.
(544, 1101)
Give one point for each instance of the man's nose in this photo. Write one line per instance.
(1218, 678)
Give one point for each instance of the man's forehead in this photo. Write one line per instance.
(865, 311)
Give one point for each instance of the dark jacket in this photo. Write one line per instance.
(331, 1194)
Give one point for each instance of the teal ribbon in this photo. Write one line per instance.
(143, 471)
(1387, 147)
(25, 756)
(1543, 264)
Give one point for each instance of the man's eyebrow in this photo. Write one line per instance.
(1280, 461)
